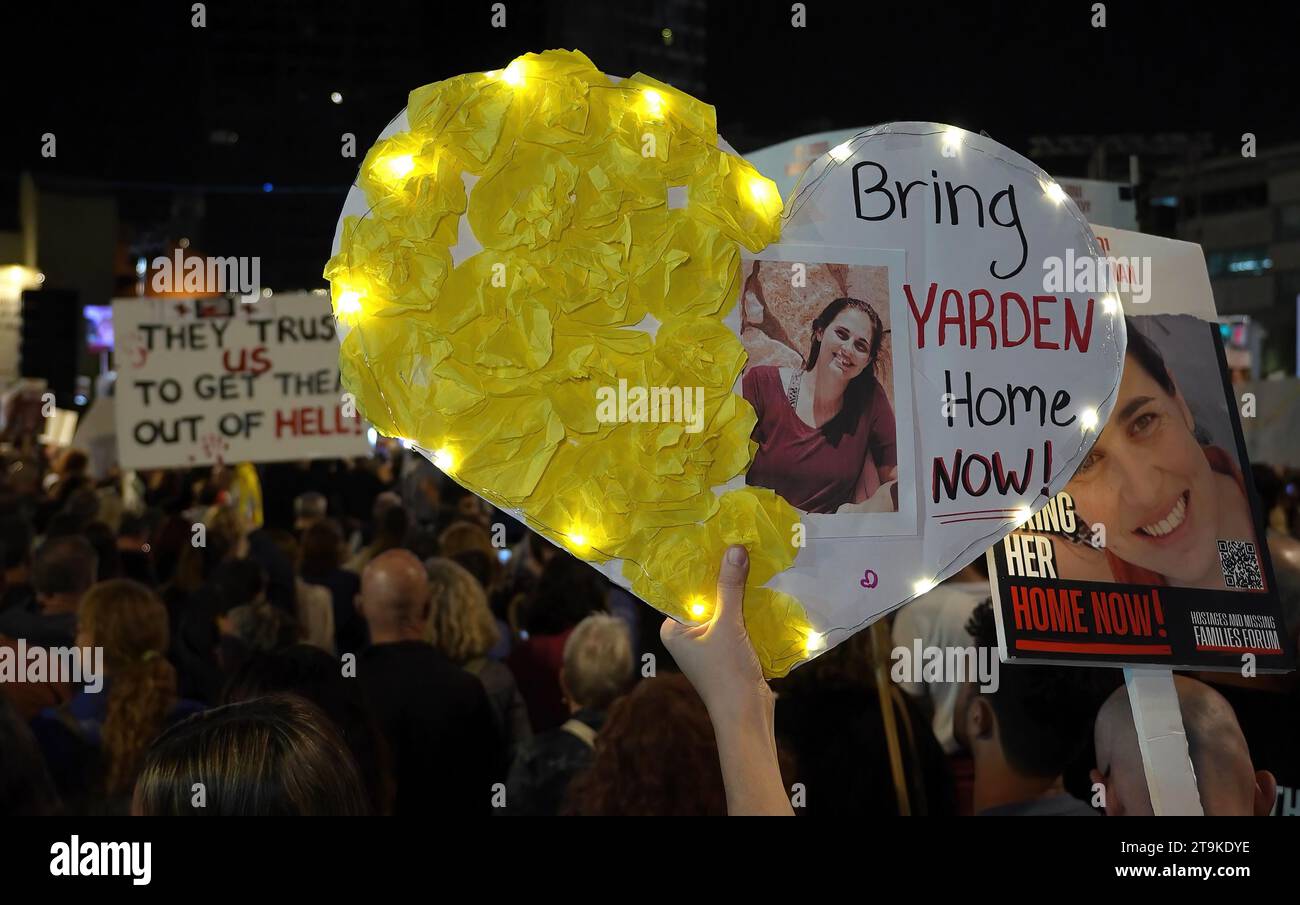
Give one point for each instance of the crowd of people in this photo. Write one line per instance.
(365, 638)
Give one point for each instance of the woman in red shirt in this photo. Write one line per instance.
(826, 433)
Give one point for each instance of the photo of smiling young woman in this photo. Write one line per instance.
(826, 430)
(1165, 497)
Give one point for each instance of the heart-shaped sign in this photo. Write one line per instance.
(540, 285)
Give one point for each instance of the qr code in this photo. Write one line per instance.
(1240, 565)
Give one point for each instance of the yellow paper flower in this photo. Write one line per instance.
(527, 201)
(467, 113)
(686, 115)
(386, 363)
(414, 186)
(583, 377)
(395, 275)
(674, 567)
(780, 628)
(733, 196)
(681, 266)
(588, 282)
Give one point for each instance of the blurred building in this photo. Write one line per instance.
(1245, 213)
(1128, 157)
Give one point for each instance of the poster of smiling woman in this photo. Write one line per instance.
(825, 378)
(1153, 552)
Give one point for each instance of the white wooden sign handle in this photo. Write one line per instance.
(1171, 780)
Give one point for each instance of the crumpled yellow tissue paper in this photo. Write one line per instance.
(610, 223)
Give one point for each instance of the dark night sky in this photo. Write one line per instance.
(134, 93)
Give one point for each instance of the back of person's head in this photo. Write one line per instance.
(26, 789)
(423, 542)
(284, 542)
(485, 568)
(309, 507)
(226, 527)
(15, 542)
(1225, 776)
(64, 565)
(263, 626)
(395, 596)
(133, 526)
(273, 756)
(597, 662)
(82, 504)
(72, 462)
(315, 675)
(195, 565)
(241, 587)
(1038, 716)
(390, 530)
(460, 623)
(321, 550)
(383, 502)
(168, 542)
(470, 545)
(568, 591)
(655, 756)
(108, 559)
(238, 582)
(129, 622)
(464, 535)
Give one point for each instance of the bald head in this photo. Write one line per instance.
(395, 597)
(1225, 776)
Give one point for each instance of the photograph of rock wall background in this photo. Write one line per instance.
(776, 317)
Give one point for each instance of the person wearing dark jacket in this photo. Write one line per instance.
(569, 590)
(436, 717)
(597, 668)
(64, 569)
(320, 560)
(462, 629)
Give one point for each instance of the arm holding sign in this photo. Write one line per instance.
(721, 664)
